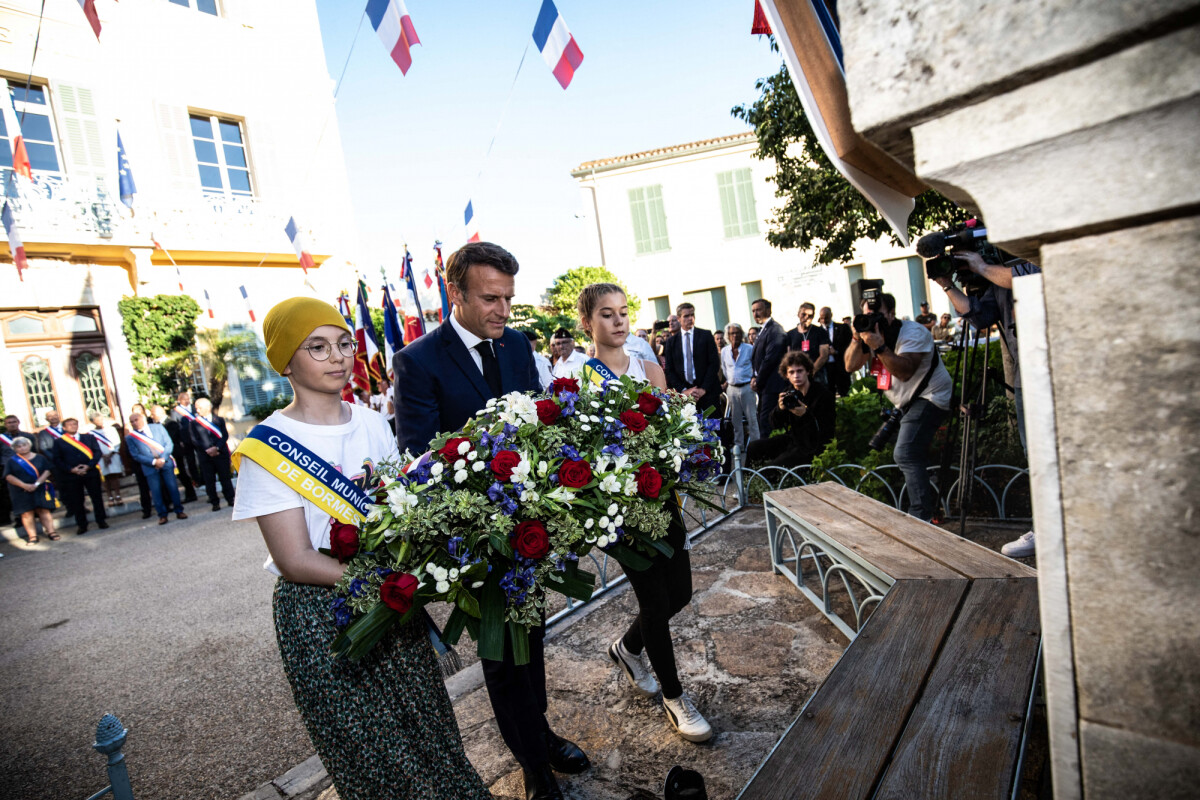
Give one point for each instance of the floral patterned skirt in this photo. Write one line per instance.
(383, 726)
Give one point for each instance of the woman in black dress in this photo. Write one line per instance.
(27, 475)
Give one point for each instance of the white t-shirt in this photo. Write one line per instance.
(367, 437)
(916, 338)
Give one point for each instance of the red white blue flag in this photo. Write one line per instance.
(208, 302)
(394, 27)
(12, 127)
(246, 297)
(89, 11)
(297, 239)
(472, 225)
(16, 247)
(558, 46)
(412, 325)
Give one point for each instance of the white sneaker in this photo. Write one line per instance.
(643, 682)
(686, 720)
(1020, 548)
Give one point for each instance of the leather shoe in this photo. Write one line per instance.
(565, 757)
(181, 515)
(102, 526)
(541, 785)
(163, 520)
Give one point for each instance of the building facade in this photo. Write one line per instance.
(225, 111)
(689, 223)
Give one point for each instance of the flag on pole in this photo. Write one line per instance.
(444, 311)
(760, 23)
(16, 247)
(368, 344)
(12, 127)
(558, 46)
(412, 325)
(393, 336)
(246, 297)
(208, 302)
(394, 27)
(125, 184)
(343, 307)
(89, 11)
(428, 280)
(298, 242)
(812, 49)
(469, 221)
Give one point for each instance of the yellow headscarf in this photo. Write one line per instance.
(292, 321)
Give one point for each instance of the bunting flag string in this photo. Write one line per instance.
(178, 274)
(470, 224)
(760, 24)
(16, 247)
(556, 44)
(249, 308)
(298, 242)
(208, 302)
(395, 29)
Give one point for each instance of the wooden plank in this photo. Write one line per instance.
(837, 748)
(893, 557)
(964, 734)
(967, 557)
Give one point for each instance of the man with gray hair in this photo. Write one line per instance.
(741, 409)
(210, 442)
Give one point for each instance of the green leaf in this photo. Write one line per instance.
(365, 632)
(519, 635)
(500, 545)
(453, 629)
(577, 584)
(491, 619)
(627, 558)
(467, 602)
(661, 546)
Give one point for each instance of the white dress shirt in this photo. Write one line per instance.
(639, 348)
(569, 367)
(689, 355)
(470, 340)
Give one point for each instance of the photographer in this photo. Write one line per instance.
(916, 383)
(806, 414)
(995, 305)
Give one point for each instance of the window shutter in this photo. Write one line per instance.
(81, 141)
(729, 213)
(745, 202)
(641, 228)
(181, 177)
(658, 219)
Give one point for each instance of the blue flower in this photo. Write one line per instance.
(356, 587)
(382, 572)
(569, 452)
(341, 614)
(613, 449)
(496, 493)
(453, 546)
(516, 583)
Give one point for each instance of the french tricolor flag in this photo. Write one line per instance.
(12, 126)
(208, 302)
(394, 27)
(293, 233)
(89, 11)
(15, 246)
(249, 308)
(557, 44)
(469, 221)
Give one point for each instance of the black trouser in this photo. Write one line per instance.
(143, 491)
(212, 468)
(768, 400)
(189, 476)
(663, 590)
(518, 696)
(73, 486)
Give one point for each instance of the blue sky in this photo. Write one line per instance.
(654, 73)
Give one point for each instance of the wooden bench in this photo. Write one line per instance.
(932, 697)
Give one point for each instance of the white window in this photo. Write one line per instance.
(31, 109)
(220, 147)
(203, 6)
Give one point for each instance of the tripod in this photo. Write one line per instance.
(968, 416)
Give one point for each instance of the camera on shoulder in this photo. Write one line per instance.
(940, 262)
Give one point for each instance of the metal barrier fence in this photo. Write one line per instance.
(110, 738)
(744, 487)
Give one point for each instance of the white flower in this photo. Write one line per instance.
(400, 500)
(562, 494)
(612, 510)
(471, 456)
(594, 404)
(588, 525)
(542, 469)
(529, 496)
(460, 476)
(585, 427)
(604, 522)
(603, 541)
(689, 411)
(610, 484)
(476, 584)
(431, 568)
(375, 514)
(630, 486)
(460, 464)
(607, 418)
(590, 539)
(442, 587)
(603, 462)
(436, 469)
(678, 443)
(440, 574)
(520, 473)
(453, 573)
(678, 462)
(662, 453)
(463, 447)
(618, 521)
(477, 466)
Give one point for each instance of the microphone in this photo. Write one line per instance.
(930, 245)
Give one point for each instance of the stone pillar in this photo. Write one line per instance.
(1071, 126)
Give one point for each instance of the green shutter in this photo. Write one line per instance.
(729, 210)
(747, 212)
(81, 139)
(658, 219)
(641, 227)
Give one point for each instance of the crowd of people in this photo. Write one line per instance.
(165, 451)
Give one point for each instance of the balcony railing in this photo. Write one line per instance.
(57, 207)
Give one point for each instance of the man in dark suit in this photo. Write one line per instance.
(179, 425)
(839, 339)
(442, 379)
(769, 348)
(50, 434)
(693, 360)
(210, 441)
(75, 457)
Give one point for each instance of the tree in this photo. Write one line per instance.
(821, 211)
(161, 334)
(542, 320)
(219, 352)
(564, 293)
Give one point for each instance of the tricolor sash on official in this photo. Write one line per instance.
(6, 439)
(155, 448)
(199, 420)
(47, 487)
(311, 476)
(78, 445)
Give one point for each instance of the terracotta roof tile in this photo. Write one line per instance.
(663, 152)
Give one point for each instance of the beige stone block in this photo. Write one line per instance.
(1124, 765)
(908, 62)
(1124, 332)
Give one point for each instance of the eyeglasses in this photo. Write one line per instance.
(322, 350)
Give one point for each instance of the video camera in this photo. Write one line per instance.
(874, 317)
(969, 235)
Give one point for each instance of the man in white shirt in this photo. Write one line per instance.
(570, 360)
(638, 347)
(382, 402)
(545, 371)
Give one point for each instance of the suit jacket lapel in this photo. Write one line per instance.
(462, 359)
(508, 378)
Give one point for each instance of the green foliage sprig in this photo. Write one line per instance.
(160, 332)
(564, 292)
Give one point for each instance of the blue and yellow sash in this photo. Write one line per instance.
(598, 372)
(311, 476)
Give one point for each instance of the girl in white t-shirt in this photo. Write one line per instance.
(384, 721)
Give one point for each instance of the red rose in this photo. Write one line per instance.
(564, 385)
(449, 450)
(574, 474)
(649, 482)
(648, 404)
(398, 590)
(343, 541)
(504, 463)
(634, 420)
(531, 540)
(548, 411)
